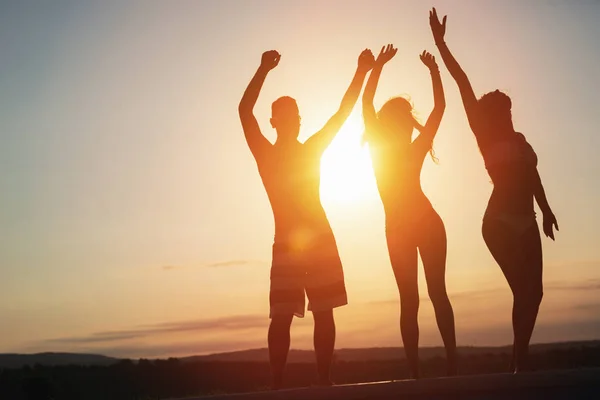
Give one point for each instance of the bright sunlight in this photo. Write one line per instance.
(346, 171)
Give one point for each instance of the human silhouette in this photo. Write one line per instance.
(305, 256)
(411, 222)
(509, 227)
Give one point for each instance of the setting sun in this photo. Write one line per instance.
(151, 189)
(346, 171)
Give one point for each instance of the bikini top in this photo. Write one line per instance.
(511, 163)
(509, 158)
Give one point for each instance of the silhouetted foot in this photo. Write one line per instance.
(415, 374)
(513, 364)
(522, 365)
(517, 370)
(452, 368)
(277, 383)
(324, 383)
(522, 368)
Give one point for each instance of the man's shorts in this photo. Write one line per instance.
(315, 270)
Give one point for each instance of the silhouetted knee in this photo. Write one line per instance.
(280, 323)
(409, 305)
(531, 298)
(536, 297)
(439, 297)
(324, 318)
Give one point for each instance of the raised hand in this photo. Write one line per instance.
(428, 60)
(366, 60)
(270, 59)
(386, 54)
(437, 28)
(549, 223)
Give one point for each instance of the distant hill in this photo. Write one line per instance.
(379, 353)
(295, 356)
(53, 359)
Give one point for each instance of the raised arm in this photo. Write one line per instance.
(540, 197)
(321, 140)
(369, 114)
(428, 132)
(254, 137)
(466, 91)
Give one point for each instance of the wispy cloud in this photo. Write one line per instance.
(100, 337)
(234, 323)
(591, 284)
(593, 308)
(182, 349)
(226, 323)
(216, 264)
(232, 263)
(460, 296)
(470, 295)
(575, 2)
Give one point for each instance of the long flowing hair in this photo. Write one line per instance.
(397, 114)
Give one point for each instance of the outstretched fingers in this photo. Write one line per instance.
(428, 59)
(433, 16)
(391, 49)
(386, 53)
(437, 28)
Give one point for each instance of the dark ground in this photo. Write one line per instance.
(163, 379)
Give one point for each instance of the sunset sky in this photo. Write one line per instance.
(133, 221)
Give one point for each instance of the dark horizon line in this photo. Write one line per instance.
(536, 344)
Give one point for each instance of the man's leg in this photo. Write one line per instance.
(286, 299)
(325, 290)
(279, 346)
(324, 341)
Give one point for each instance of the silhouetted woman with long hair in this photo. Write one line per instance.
(509, 228)
(411, 222)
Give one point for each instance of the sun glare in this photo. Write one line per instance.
(346, 171)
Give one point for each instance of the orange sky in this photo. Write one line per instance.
(133, 219)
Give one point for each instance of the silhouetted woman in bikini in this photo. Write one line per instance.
(411, 221)
(509, 226)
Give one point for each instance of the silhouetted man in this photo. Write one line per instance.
(305, 255)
